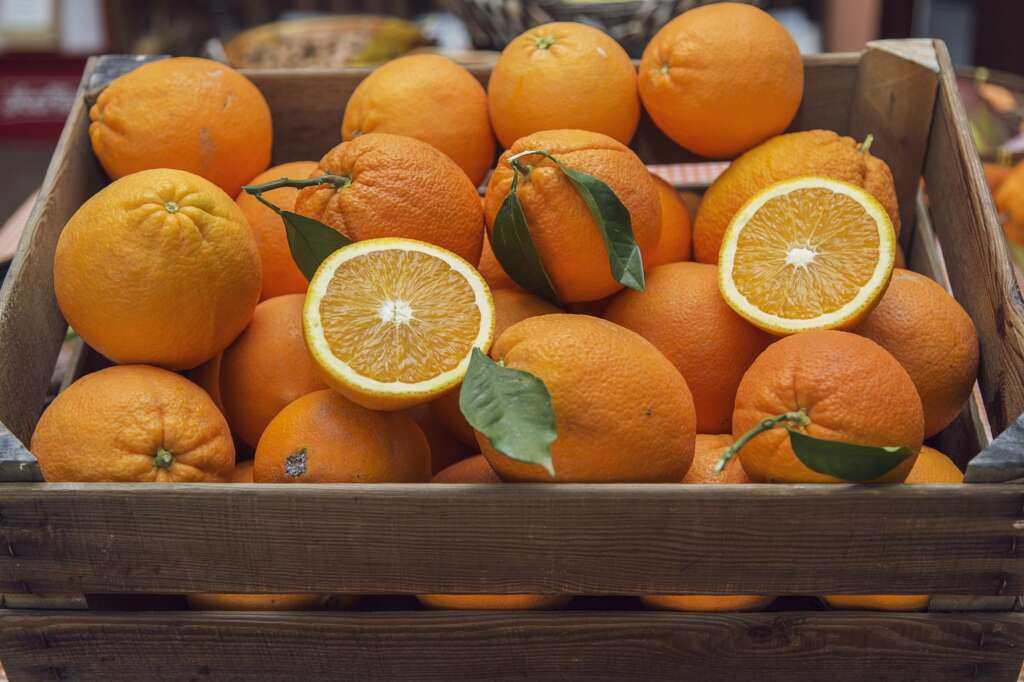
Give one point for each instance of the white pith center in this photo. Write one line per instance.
(395, 312)
(800, 257)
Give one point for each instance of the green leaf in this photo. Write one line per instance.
(310, 241)
(512, 408)
(612, 218)
(847, 461)
(514, 248)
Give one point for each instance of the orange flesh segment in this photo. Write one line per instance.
(399, 315)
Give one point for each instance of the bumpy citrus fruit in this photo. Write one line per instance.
(191, 114)
(674, 243)
(563, 75)
(391, 323)
(134, 423)
(707, 451)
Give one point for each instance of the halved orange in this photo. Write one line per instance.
(391, 323)
(807, 253)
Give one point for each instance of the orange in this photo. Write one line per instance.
(476, 470)
(850, 388)
(133, 423)
(722, 78)
(510, 306)
(996, 174)
(707, 602)
(567, 238)
(563, 75)
(445, 449)
(280, 273)
(491, 269)
(391, 323)
(931, 467)
(324, 438)
(191, 114)
(674, 243)
(398, 187)
(932, 336)
(158, 267)
(266, 368)
(708, 448)
(682, 313)
(242, 472)
(623, 413)
(431, 98)
(1009, 196)
(811, 152)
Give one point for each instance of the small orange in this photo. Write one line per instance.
(324, 438)
(398, 187)
(722, 78)
(134, 423)
(623, 413)
(226, 601)
(280, 273)
(431, 98)
(191, 114)
(674, 244)
(708, 448)
(850, 388)
(563, 75)
(567, 238)
(683, 314)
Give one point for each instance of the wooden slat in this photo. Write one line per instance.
(423, 645)
(575, 539)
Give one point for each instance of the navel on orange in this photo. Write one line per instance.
(807, 253)
(392, 322)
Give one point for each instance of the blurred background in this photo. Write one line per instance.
(44, 45)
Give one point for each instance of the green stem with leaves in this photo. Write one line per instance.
(799, 417)
(337, 181)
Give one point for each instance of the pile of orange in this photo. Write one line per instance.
(361, 366)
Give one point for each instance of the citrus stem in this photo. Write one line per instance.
(799, 417)
(163, 459)
(866, 144)
(338, 181)
(514, 160)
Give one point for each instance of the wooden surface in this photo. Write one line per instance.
(575, 539)
(424, 645)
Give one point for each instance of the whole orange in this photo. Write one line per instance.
(623, 413)
(811, 152)
(475, 469)
(398, 187)
(850, 388)
(158, 267)
(266, 368)
(674, 243)
(280, 273)
(722, 78)
(134, 423)
(683, 314)
(933, 337)
(191, 114)
(491, 269)
(1009, 196)
(510, 306)
(567, 238)
(563, 75)
(324, 438)
(431, 98)
(708, 448)
(445, 448)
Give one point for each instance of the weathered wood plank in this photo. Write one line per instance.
(581, 645)
(575, 539)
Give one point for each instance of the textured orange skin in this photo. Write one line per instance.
(475, 469)
(266, 368)
(565, 234)
(191, 114)
(934, 339)
(143, 285)
(431, 98)
(584, 80)
(852, 389)
(933, 466)
(510, 306)
(709, 447)
(344, 443)
(491, 269)
(401, 187)
(108, 426)
(280, 274)
(445, 449)
(207, 376)
(683, 314)
(674, 244)
(735, 78)
(623, 413)
(1009, 196)
(811, 152)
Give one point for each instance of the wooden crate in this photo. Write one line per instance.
(60, 541)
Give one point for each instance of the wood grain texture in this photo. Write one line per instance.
(980, 273)
(475, 645)
(574, 539)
